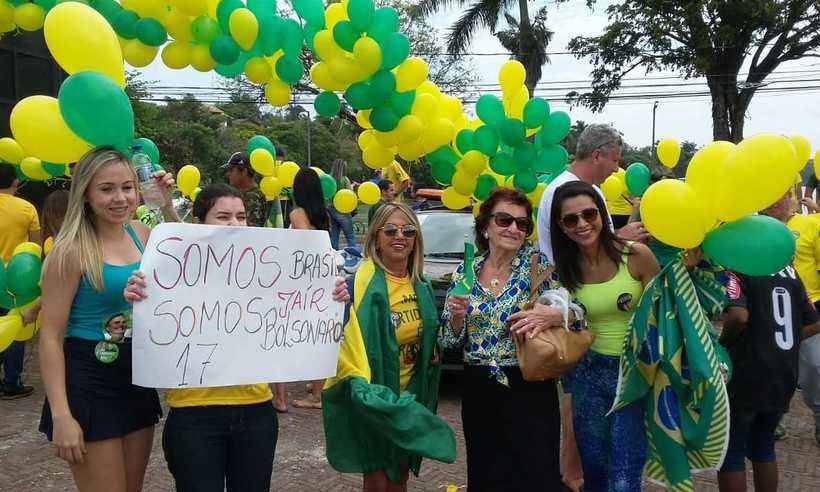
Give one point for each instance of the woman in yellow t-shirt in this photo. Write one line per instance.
(222, 437)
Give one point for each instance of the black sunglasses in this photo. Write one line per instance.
(407, 230)
(503, 219)
(570, 221)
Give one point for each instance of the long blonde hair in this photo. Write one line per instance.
(78, 239)
(415, 265)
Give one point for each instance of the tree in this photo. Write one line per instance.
(527, 38)
(700, 38)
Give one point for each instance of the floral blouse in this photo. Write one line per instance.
(486, 340)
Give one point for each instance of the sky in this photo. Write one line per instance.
(683, 119)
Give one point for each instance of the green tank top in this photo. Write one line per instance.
(609, 306)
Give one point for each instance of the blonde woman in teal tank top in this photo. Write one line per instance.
(607, 276)
(99, 422)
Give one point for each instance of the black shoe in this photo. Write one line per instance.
(15, 392)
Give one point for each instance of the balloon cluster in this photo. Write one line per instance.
(715, 206)
(19, 288)
(29, 167)
(21, 14)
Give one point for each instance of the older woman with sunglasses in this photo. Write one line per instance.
(606, 275)
(511, 426)
(379, 409)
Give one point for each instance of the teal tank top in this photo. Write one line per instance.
(104, 315)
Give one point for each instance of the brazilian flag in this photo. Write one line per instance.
(673, 365)
(370, 423)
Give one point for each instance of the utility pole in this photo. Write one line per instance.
(654, 110)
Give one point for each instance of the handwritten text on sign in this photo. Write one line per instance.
(235, 305)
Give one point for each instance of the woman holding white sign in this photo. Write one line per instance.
(379, 409)
(98, 421)
(223, 437)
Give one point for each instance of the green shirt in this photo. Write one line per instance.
(256, 207)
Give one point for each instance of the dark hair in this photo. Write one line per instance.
(307, 193)
(54, 210)
(208, 197)
(7, 175)
(384, 184)
(566, 252)
(280, 149)
(497, 196)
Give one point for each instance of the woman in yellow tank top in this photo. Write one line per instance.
(606, 275)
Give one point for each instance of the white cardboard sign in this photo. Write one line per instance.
(235, 305)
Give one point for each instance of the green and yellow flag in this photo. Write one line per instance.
(370, 424)
(673, 364)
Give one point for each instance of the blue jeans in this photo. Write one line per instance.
(339, 223)
(214, 448)
(612, 448)
(12, 361)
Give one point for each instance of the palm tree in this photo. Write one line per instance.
(527, 38)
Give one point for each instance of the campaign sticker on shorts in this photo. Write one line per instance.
(117, 327)
(106, 352)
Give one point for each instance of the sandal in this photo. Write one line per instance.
(308, 402)
(280, 408)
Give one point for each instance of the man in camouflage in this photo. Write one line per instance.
(239, 174)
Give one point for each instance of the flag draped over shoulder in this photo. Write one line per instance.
(369, 423)
(674, 366)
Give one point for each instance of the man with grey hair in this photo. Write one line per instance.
(597, 155)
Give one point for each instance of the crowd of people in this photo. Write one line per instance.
(379, 410)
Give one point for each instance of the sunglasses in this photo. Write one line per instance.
(407, 230)
(503, 219)
(570, 221)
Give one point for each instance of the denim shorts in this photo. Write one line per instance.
(751, 435)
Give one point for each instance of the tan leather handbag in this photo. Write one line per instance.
(552, 352)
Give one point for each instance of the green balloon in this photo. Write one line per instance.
(260, 142)
(442, 172)
(525, 181)
(291, 33)
(270, 29)
(382, 85)
(385, 22)
(637, 178)
(3, 277)
(108, 8)
(345, 35)
(313, 11)
(234, 69)
(361, 13)
(503, 163)
(55, 170)
(512, 131)
(309, 32)
(484, 186)
(204, 29)
(289, 69)
(327, 104)
(536, 112)
(755, 245)
(359, 96)
(328, 186)
(551, 159)
(150, 32)
(443, 154)
(524, 155)
(384, 118)
(23, 278)
(490, 109)
(125, 23)
(262, 7)
(224, 10)
(395, 49)
(555, 128)
(486, 140)
(149, 148)
(224, 50)
(97, 110)
(402, 102)
(465, 140)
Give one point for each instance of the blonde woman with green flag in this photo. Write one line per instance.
(379, 409)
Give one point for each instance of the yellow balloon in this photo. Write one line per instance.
(411, 151)
(262, 162)
(175, 55)
(367, 53)
(258, 70)
(244, 28)
(473, 163)
(704, 173)
(613, 188)
(511, 76)
(270, 186)
(26, 332)
(48, 244)
(477, 208)
(411, 73)
(345, 201)
(387, 139)
(287, 171)
(369, 193)
(344, 69)
(277, 93)
(200, 57)
(439, 132)
(377, 157)
(32, 167)
(669, 152)
(10, 151)
(321, 76)
(28, 247)
(193, 8)
(9, 327)
(757, 173)
(817, 164)
(452, 109)
(363, 119)
(409, 129)
(453, 199)
(178, 26)
(6, 13)
(139, 55)
(319, 171)
(79, 38)
(29, 17)
(425, 106)
(39, 128)
(535, 196)
(802, 148)
(325, 46)
(671, 212)
(188, 179)
(514, 105)
(464, 183)
(334, 13)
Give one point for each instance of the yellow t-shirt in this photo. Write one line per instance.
(807, 251)
(619, 207)
(18, 217)
(406, 319)
(246, 394)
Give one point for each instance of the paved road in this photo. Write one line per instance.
(27, 462)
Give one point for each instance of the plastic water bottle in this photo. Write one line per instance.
(151, 194)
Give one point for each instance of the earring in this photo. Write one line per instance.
(486, 236)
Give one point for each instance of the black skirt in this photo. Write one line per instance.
(511, 433)
(101, 397)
